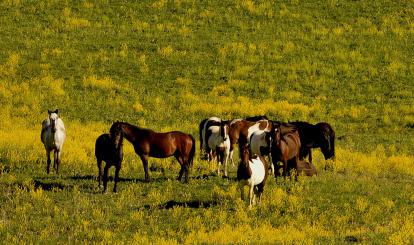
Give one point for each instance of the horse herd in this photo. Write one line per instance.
(259, 141)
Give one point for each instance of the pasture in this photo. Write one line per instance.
(167, 65)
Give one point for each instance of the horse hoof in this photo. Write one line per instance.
(225, 177)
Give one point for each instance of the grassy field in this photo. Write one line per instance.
(167, 65)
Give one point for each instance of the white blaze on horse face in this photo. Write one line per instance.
(226, 133)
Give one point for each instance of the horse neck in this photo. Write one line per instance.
(128, 132)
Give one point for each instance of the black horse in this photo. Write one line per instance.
(112, 154)
(320, 135)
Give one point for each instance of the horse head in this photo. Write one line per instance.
(224, 130)
(326, 144)
(53, 117)
(116, 134)
(245, 154)
(326, 140)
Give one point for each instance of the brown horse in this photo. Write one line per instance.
(148, 143)
(285, 147)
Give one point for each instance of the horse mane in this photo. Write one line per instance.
(134, 127)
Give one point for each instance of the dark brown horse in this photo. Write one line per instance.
(148, 143)
(112, 154)
(320, 135)
(284, 147)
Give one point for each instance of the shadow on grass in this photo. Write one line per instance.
(48, 186)
(186, 204)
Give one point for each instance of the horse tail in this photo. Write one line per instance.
(192, 151)
(332, 143)
(201, 131)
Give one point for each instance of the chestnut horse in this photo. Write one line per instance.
(284, 147)
(148, 143)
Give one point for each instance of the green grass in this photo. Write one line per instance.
(167, 65)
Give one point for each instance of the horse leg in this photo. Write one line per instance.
(54, 159)
(284, 168)
(100, 171)
(259, 192)
(219, 161)
(241, 187)
(48, 161)
(144, 159)
(224, 160)
(187, 172)
(105, 177)
(180, 175)
(310, 155)
(117, 169)
(231, 156)
(251, 194)
(57, 160)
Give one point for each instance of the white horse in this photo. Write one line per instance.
(53, 136)
(218, 143)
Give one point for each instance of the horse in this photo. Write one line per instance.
(111, 152)
(285, 147)
(218, 143)
(259, 145)
(240, 131)
(202, 129)
(320, 135)
(53, 136)
(253, 173)
(256, 118)
(148, 143)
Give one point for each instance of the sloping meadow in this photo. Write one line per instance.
(167, 65)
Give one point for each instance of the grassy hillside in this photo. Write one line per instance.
(167, 65)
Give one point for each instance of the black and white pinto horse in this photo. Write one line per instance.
(215, 141)
(252, 171)
(53, 136)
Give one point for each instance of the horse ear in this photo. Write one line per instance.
(57, 111)
(49, 112)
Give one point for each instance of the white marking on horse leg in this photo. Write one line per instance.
(231, 158)
(251, 187)
(225, 166)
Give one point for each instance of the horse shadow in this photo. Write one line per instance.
(49, 186)
(185, 204)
